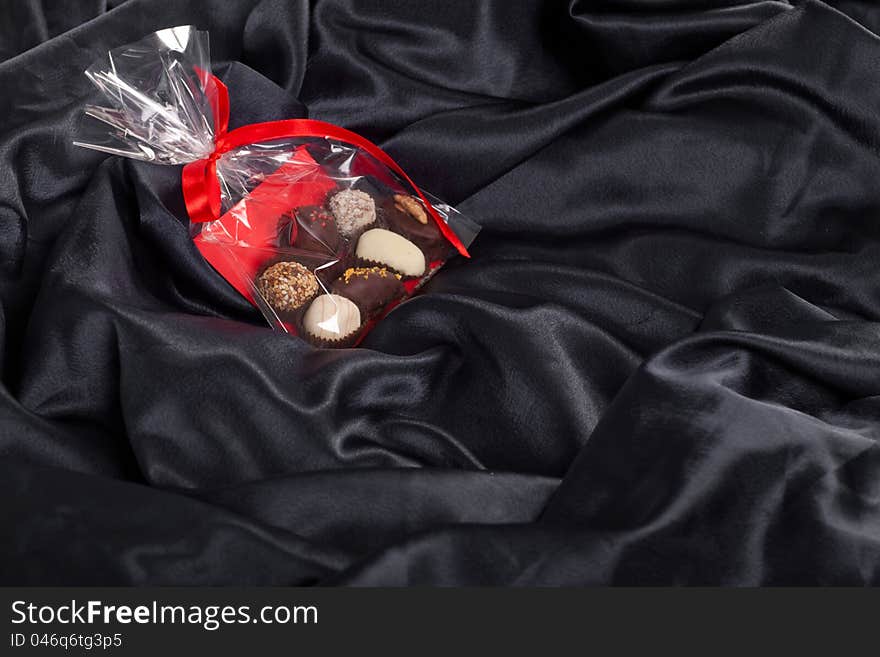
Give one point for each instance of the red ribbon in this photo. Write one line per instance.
(201, 188)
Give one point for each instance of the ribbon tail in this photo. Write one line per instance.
(201, 190)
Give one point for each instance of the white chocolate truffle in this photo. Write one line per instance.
(332, 317)
(354, 210)
(392, 250)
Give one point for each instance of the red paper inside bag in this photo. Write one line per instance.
(239, 243)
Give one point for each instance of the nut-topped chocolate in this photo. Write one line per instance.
(371, 288)
(287, 286)
(410, 206)
(354, 211)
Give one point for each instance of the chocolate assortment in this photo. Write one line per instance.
(313, 224)
(374, 245)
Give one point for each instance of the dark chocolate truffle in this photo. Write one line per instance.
(371, 288)
(354, 211)
(405, 215)
(287, 286)
(316, 230)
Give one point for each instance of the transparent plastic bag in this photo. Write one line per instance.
(314, 225)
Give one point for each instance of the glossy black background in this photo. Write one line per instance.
(661, 366)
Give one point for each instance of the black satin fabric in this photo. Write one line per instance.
(661, 365)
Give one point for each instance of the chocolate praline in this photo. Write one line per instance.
(316, 229)
(287, 286)
(354, 211)
(331, 320)
(424, 234)
(386, 248)
(371, 288)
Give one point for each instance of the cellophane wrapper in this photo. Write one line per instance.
(322, 237)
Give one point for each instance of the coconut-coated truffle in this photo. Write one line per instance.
(354, 210)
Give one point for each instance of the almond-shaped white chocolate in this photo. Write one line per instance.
(331, 317)
(390, 249)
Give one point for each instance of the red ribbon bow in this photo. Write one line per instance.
(201, 188)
